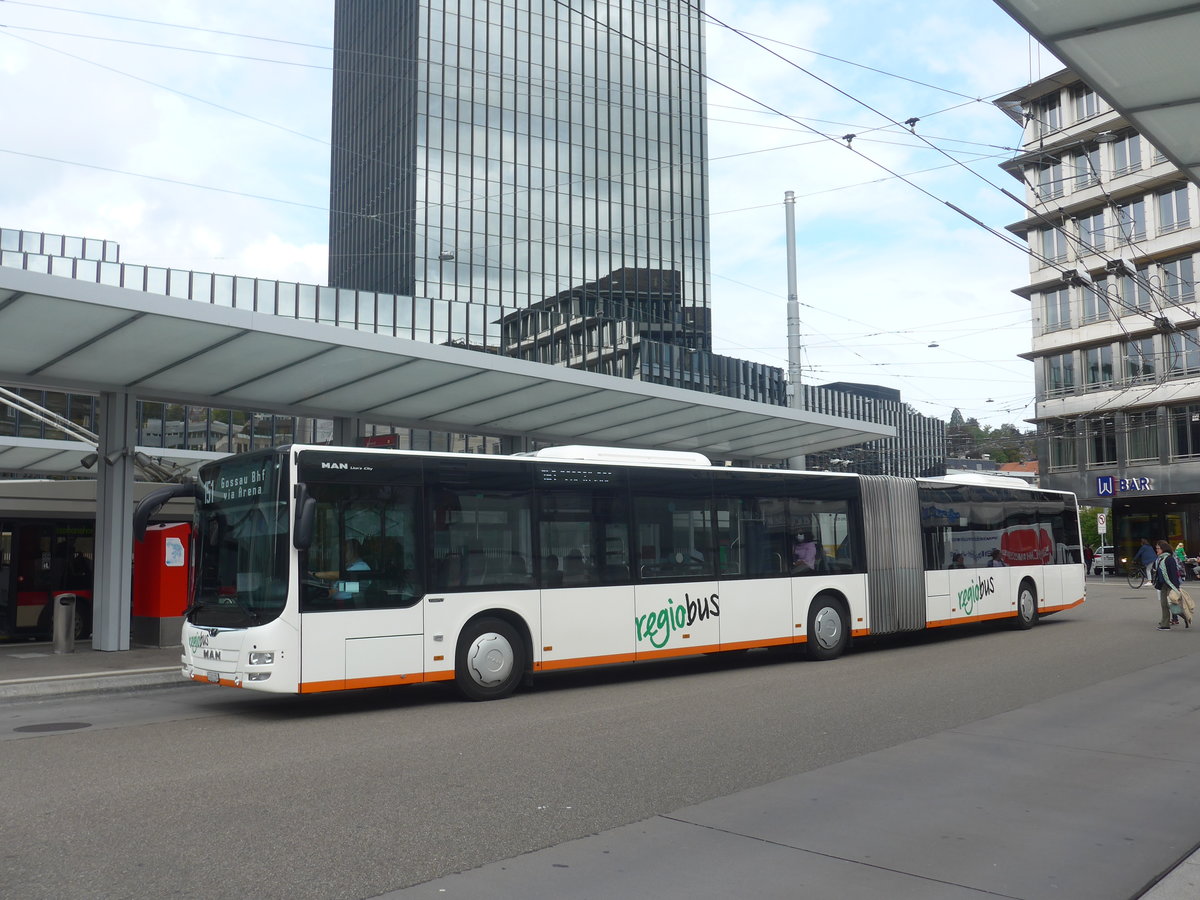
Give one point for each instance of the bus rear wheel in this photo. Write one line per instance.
(828, 629)
(490, 660)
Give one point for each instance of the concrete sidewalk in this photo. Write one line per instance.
(30, 669)
(1092, 794)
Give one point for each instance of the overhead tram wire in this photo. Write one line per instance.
(199, 99)
(848, 145)
(1038, 213)
(232, 34)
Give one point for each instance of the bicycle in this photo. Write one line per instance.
(1136, 574)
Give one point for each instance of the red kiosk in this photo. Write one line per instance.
(161, 570)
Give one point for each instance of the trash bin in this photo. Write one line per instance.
(64, 623)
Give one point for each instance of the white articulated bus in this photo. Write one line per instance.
(324, 569)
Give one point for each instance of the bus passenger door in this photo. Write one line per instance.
(678, 603)
(362, 621)
(587, 600)
(753, 568)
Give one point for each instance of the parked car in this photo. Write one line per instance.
(1104, 561)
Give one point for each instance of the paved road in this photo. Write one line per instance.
(198, 791)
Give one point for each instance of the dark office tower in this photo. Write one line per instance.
(512, 151)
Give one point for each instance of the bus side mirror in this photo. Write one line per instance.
(153, 502)
(306, 515)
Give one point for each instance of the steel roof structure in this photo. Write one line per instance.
(1141, 57)
(66, 334)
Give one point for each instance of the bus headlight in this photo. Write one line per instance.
(258, 676)
(262, 657)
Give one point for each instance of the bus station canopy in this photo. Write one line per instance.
(63, 334)
(1141, 57)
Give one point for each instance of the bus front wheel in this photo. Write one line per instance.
(828, 629)
(1027, 614)
(490, 661)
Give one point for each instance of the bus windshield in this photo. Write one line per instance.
(242, 547)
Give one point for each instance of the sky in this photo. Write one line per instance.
(195, 133)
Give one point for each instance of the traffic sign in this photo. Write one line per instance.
(1101, 523)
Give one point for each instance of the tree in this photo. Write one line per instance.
(1087, 524)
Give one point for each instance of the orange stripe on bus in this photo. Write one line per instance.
(750, 645)
(345, 684)
(224, 682)
(1064, 606)
(678, 651)
(942, 623)
(580, 661)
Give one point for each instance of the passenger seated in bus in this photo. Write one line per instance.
(574, 568)
(957, 561)
(804, 553)
(475, 566)
(552, 575)
(451, 570)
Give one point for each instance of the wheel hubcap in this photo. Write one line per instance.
(490, 659)
(827, 627)
(1026, 605)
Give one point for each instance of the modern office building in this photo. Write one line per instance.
(513, 154)
(1112, 293)
(507, 152)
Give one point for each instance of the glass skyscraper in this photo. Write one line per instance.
(514, 151)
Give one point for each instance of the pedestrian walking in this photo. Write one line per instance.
(1164, 575)
(1088, 555)
(1181, 561)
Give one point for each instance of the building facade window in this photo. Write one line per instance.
(1047, 114)
(1087, 167)
(1139, 359)
(1141, 436)
(1127, 154)
(1173, 209)
(1178, 283)
(1058, 309)
(1091, 231)
(1134, 291)
(1102, 441)
(1131, 221)
(1060, 374)
(1096, 301)
(1061, 440)
(1098, 366)
(1185, 431)
(1050, 180)
(1085, 101)
(1054, 245)
(1183, 353)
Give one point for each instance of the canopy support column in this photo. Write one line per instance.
(113, 586)
(346, 431)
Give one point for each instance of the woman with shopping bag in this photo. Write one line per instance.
(1165, 577)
